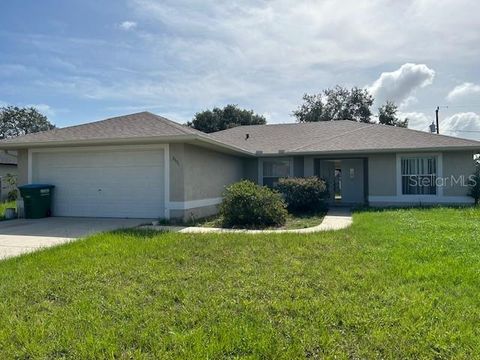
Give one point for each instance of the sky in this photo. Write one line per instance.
(80, 61)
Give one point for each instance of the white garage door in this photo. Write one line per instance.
(104, 183)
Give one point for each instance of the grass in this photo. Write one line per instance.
(294, 221)
(6, 205)
(396, 284)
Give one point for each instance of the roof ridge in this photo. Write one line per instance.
(429, 133)
(103, 120)
(185, 129)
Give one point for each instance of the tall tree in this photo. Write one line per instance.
(338, 103)
(220, 119)
(387, 115)
(15, 121)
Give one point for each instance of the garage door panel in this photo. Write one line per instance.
(104, 183)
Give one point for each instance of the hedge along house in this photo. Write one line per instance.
(145, 166)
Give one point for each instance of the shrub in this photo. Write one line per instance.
(12, 195)
(474, 182)
(304, 194)
(246, 204)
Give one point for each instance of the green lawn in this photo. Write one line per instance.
(397, 284)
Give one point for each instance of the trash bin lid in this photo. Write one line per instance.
(37, 186)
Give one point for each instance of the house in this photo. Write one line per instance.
(8, 166)
(146, 166)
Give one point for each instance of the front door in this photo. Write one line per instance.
(345, 179)
(352, 181)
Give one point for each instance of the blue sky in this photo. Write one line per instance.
(80, 61)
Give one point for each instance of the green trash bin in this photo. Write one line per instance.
(37, 200)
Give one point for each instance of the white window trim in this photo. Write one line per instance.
(260, 166)
(419, 197)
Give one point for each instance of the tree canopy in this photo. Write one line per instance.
(220, 119)
(337, 103)
(16, 121)
(387, 115)
(340, 103)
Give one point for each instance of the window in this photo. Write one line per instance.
(419, 175)
(274, 169)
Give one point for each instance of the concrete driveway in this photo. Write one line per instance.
(27, 235)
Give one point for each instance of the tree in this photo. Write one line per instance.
(387, 115)
(15, 121)
(338, 103)
(220, 119)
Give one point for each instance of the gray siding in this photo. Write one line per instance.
(177, 165)
(382, 175)
(457, 165)
(22, 158)
(195, 213)
(207, 172)
(197, 173)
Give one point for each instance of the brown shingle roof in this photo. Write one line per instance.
(320, 137)
(336, 136)
(139, 125)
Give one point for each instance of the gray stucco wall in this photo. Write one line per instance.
(177, 165)
(22, 159)
(195, 213)
(382, 175)
(197, 173)
(206, 172)
(457, 166)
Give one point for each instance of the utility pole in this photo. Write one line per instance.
(436, 118)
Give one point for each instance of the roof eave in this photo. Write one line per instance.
(233, 148)
(123, 141)
(105, 141)
(369, 151)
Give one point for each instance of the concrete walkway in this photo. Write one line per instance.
(26, 235)
(336, 219)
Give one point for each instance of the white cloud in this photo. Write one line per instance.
(44, 109)
(465, 125)
(399, 85)
(417, 120)
(262, 55)
(462, 91)
(128, 25)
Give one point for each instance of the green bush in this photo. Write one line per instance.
(304, 194)
(474, 183)
(246, 204)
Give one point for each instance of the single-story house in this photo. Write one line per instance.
(146, 166)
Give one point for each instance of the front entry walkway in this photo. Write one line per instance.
(336, 219)
(26, 235)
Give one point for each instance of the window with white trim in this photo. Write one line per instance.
(274, 169)
(419, 175)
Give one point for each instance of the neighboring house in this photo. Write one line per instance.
(8, 165)
(145, 166)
